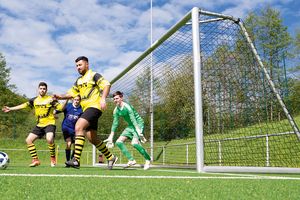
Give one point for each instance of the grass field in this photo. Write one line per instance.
(44, 182)
(19, 181)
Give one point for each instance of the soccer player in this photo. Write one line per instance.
(72, 112)
(44, 106)
(89, 86)
(134, 131)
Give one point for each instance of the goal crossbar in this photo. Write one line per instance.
(209, 60)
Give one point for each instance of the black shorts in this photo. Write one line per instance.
(92, 115)
(69, 135)
(41, 131)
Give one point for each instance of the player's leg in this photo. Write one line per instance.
(126, 134)
(50, 135)
(72, 136)
(137, 145)
(121, 144)
(68, 140)
(68, 148)
(32, 149)
(80, 127)
(101, 146)
(88, 119)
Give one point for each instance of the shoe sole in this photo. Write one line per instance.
(35, 165)
(116, 159)
(127, 166)
(73, 166)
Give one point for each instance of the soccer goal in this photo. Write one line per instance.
(208, 101)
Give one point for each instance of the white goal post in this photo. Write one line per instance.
(209, 102)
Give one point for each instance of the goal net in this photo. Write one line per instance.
(208, 102)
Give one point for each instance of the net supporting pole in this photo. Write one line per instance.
(286, 112)
(151, 88)
(198, 90)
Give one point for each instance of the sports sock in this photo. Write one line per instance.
(124, 150)
(142, 151)
(72, 153)
(32, 150)
(68, 154)
(79, 143)
(52, 149)
(104, 150)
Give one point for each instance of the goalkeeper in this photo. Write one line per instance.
(134, 130)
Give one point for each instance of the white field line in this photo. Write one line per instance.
(209, 173)
(156, 177)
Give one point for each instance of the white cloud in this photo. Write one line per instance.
(41, 39)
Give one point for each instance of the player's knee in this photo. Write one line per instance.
(119, 142)
(78, 128)
(135, 141)
(28, 141)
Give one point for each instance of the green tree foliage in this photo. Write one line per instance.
(174, 112)
(272, 40)
(12, 124)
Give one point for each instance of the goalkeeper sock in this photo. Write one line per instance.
(142, 151)
(124, 150)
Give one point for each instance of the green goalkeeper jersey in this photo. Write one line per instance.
(129, 114)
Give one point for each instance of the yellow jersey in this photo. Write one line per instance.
(43, 109)
(89, 87)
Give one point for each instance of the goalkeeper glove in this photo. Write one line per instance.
(143, 139)
(109, 143)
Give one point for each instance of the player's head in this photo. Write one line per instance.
(42, 88)
(82, 64)
(118, 98)
(76, 101)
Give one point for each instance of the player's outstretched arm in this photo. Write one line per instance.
(61, 96)
(7, 109)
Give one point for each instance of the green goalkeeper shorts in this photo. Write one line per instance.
(130, 133)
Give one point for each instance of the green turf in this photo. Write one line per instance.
(138, 184)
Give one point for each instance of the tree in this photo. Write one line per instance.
(272, 41)
(11, 124)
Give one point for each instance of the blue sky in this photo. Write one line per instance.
(41, 39)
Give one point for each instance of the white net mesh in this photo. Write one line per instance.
(244, 125)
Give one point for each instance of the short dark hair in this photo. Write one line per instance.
(43, 84)
(82, 58)
(77, 96)
(118, 93)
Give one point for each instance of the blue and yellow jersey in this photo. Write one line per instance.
(43, 109)
(129, 114)
(89, 87)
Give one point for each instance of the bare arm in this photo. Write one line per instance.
(104, 96)
(64, 105)
(61, 96)
(7, 109)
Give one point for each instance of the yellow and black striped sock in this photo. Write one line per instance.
(32, 150)
(79, 143)
(52, 149)
(104, 150)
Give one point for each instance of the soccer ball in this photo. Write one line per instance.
(4, 160)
